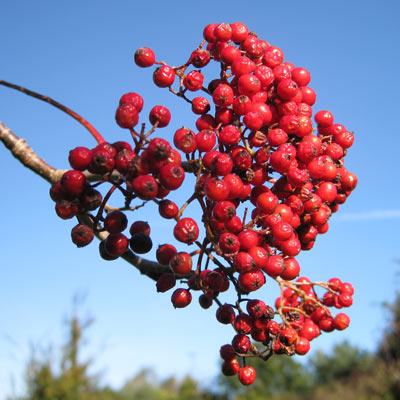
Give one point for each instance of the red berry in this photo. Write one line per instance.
(144, 57)
(186, 230)
(181, 298)
(247, 375)
(164, 76)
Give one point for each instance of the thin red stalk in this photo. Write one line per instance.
(58, 105)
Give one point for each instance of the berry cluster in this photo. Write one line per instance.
(256, 152)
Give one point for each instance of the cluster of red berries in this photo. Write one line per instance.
(255, 149)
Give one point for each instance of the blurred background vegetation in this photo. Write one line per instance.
(345, 373)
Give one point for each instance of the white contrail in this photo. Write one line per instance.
(368, 215)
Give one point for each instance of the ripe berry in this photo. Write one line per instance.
(82, 235)
(73, 183)
(164, 76)
(115, 222)
(144, 57)
(116, 244)
(181, 263)
(165, 282)
(127, 116)
(181, 298)
(160, 115)
(164, 253)
(79, 158)
(247, 375)
(186, 230)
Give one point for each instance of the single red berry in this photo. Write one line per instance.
(230, 368)
(73, 183)
(116, 244)
(227, 352)
(164, 253)
(186, 230)
(165, 282)
(302, 346)
(200, 58)
(181, 298)
(200, 105)
(145, 187)
(127, 116)
(164, 76)
(160, 115)
(115, 221)
(193, 81)
(82, 235)
(250, 281)
(131, 98)
(171, 176)
(79, 158)
(168, 209)
(144, 57)
(181, 263)
(225, 314)
(247, 375)
(140, 227)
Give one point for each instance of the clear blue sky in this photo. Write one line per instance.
(81, 53)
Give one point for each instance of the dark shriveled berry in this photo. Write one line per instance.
(140, 243)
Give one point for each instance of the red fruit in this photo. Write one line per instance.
(273, 56)
(200, 105)
(301, 76)
(308, 95)
(223, 95)
(248, 239)
(168, 209)
(250, 281)
(341, 321)
(225, 314)
(73, 183)
(227, 352)
(292, 269)
(241, 343)
(248, 85)
(144, 57)
(115, 221)
(181, 298)
(164, 253)
(274, 266)
(256, 308)
(243, 65)
(127, 116)
(288, 336)
(181, 263)
(116, 244)
(205, 140)
(193, 81)
(160, 115)
(230, 368)
(186, 230)
(247, 375)
(165, 282)
(216, 189)
(324, 118)
(302, 346)
(259, 255)
(137, 101)
(164, 76)
(82, 235)
(79, 158)
(185, 140)
(145, 187)
(171, 176)
(229, 135)
(243, 262)
(200, 58)
(239, 32)
(140, 227)
(243, 323)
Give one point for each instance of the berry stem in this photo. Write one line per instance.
(58, 105)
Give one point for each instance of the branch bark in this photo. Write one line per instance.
(29, 159)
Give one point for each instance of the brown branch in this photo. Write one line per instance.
(29, 159)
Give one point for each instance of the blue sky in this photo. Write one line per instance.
(81, 54)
